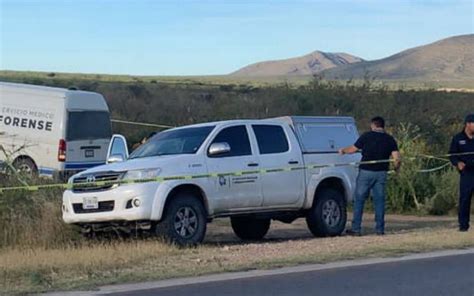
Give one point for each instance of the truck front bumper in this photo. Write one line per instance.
(115, 204)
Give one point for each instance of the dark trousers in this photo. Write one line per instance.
(466, 190)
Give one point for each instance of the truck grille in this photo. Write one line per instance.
(87, 183)
(104, 206)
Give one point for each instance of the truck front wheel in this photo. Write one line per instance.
(184, 221)
(250, 228)
(328, 215)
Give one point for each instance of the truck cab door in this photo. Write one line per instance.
(279, 149)
(118, 150)
(230, 151)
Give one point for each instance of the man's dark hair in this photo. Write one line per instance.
(469, 118)
(378, 122)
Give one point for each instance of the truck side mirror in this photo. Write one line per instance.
(118, 150)
(219, 148)
(115, 158)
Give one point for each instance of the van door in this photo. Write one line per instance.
(280, 188)
(235, 192)
(87, 139)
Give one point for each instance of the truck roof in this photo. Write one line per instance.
(243, 121)
(316, 119)
(288, 119)
(45, 90)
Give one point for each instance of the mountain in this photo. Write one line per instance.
(309, 64)
(447, 59)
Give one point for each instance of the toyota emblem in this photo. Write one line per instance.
(90, 179)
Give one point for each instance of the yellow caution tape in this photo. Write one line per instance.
(141, 123)
(68, 186)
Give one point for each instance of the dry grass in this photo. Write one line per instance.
(28, 220)
(92, 264)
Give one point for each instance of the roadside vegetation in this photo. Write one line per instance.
(53, 77)
(180, 101)
(39, 252)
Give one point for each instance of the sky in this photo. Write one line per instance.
(204, 37)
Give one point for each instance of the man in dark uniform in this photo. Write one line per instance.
(462, 146)
(375, 145)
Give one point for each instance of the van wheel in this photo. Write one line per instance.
(184, 221)
(25, 166)
(328, 215)
(250, 228)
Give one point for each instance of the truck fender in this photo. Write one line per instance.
(165, 191)
(316, 180)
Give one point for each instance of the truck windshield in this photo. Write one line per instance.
(88, 125)
(181, 141)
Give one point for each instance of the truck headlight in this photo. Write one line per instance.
(141, 174)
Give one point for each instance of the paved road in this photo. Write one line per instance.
(450, 275)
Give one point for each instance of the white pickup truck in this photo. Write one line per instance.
(252, 171)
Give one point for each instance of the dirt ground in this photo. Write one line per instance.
(220, 231)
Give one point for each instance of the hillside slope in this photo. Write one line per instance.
(309, 64)
(447, 59)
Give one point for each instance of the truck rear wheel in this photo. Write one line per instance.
(184, 221)
(328, 215)
(250, 228)
(25, 166)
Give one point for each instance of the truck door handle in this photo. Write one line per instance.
(252, 164)
(293, 162)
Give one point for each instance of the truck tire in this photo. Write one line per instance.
(25, 166)
(184, 221)
(328, 215)
(250, 228)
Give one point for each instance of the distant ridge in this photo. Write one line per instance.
(309, 64)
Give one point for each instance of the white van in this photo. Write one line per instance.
(53, 132)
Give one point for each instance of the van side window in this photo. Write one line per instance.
(238, 140)
(271, 139)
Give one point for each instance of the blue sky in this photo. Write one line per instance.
(145, 37)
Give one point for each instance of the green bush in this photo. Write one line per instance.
(407, 189)
(413, 190)
(446, 193)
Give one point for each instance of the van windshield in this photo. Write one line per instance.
(180, 141)
(87, 125)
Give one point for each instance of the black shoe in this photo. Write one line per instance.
(463, 229)
(380, 233)
(351, 232)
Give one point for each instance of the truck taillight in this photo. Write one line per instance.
(62, 150)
